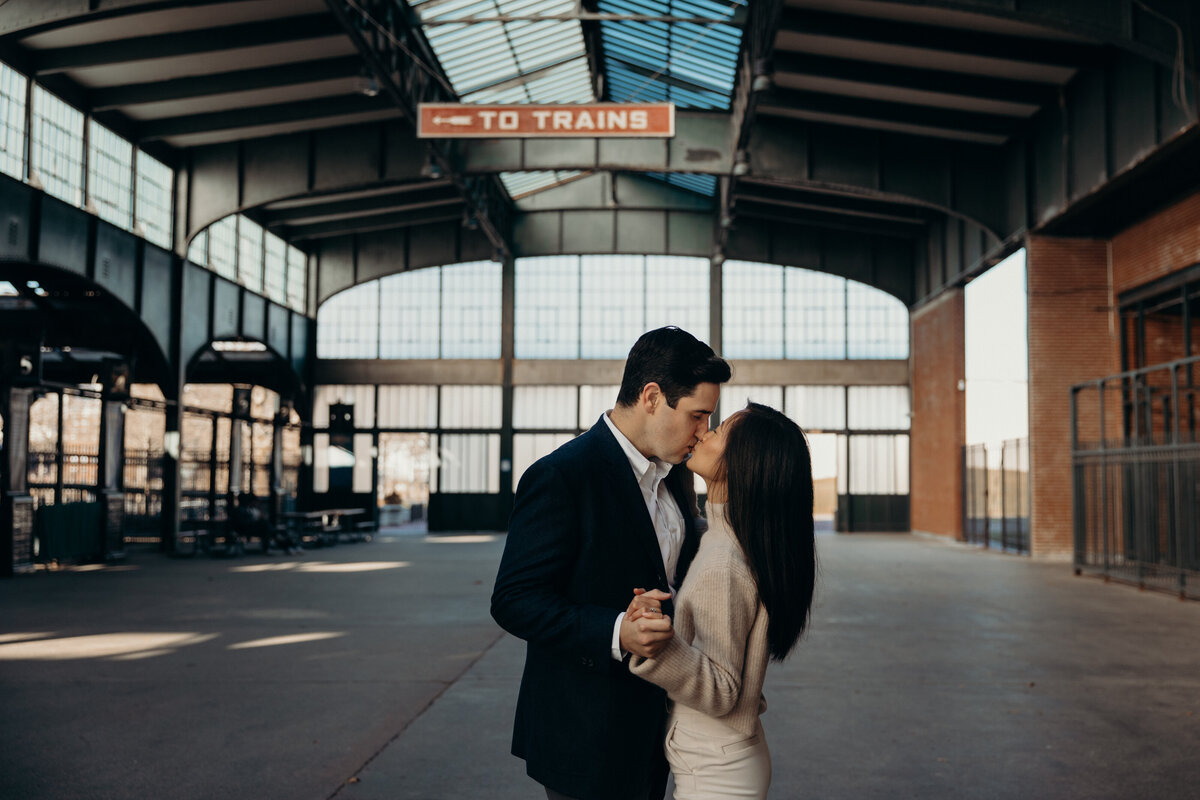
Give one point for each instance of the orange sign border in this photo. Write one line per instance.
(451, 108)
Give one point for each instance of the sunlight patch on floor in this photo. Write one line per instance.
(322, 566)
(122, 646)
(295, 638)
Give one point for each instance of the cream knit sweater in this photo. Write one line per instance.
(718, 658)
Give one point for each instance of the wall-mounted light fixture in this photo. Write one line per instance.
(366, 85)
(741, 163)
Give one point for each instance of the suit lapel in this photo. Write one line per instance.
(627, 493)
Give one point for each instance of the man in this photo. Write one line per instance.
(605, 514)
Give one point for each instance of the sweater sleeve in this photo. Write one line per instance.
(707, 674)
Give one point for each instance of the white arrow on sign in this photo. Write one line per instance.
(457, 120)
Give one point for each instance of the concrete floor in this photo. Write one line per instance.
(374, 671)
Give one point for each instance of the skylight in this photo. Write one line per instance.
(693, 64)
(508, 57)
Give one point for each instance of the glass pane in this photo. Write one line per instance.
(198, 249)
(677, 293)
(410, 306)
(879, 407)
(364, 462)
(544, 407)
(877, 323)
(275, 269)
(57, 144)
(222, 247)
(594, 401)
(547, 307)
(752, 322)
(815, 325)
(297, 278)
(250, 254)
(154, 190)
(471, 306)
(817, 407)
(734, 399)
(613, 304)
(12, 122)
(348, 323)
(408, 406)
(110, 176)
(470, 407)
(470, 463)
(879, 464)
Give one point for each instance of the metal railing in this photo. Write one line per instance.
(1136, 477)
(996, 496)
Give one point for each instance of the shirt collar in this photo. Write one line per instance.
(642, 466)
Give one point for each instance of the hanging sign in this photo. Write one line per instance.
(592, 121)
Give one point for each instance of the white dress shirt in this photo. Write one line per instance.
(664, 513)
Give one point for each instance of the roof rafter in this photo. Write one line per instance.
(172, 45)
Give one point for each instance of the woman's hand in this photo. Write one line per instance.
(645, 630)
(646, 604)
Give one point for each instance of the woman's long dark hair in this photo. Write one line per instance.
(768, 471)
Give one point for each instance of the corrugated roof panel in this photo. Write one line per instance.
(480, 55)
(523, 183)
(692, 182)
(693, 65)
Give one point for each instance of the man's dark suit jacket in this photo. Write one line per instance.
(579, 541)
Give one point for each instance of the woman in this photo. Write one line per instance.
(745, 601)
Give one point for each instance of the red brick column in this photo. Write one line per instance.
(939, 418)
(1072, 338)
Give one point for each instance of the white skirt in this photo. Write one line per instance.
(712, 761)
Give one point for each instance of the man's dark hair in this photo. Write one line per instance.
(674, 359)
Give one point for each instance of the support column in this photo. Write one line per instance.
(241, 415)
(508, 295)
(111, 475)
(172, 491)
(939, 416)
(16, 506)
(715, 300)
(1072, 338)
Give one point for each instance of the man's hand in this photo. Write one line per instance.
(645, 630)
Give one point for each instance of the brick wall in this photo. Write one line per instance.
(939, 421)
(1165, 243)
(1072, 338)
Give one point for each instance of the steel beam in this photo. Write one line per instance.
(608, 190)
(118, 97)
(379, 30)
(798, 25)
(573, 372)
(949, 123)
(375, 222)
(1029, 94)
(242, 118)
(408, 199)
(172, 45)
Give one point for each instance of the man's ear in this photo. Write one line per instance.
(650, 397)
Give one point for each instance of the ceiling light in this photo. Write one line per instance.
(741, 163)
(367, 85)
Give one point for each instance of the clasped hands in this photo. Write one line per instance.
(645, 629)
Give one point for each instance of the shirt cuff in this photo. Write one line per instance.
(616, 640)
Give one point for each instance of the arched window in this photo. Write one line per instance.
(436, 312)
(773, 312)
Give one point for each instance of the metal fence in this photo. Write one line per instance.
(1136, 482)
(996, 496)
